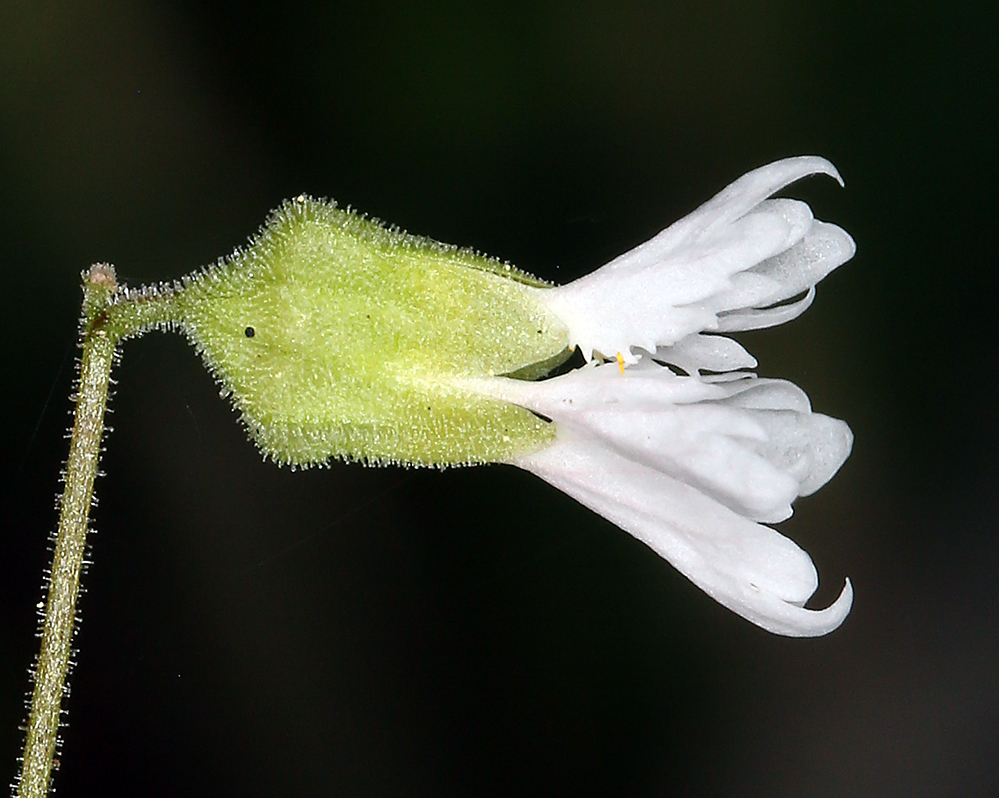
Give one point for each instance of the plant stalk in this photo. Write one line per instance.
(109, 314)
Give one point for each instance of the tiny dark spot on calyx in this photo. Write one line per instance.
(249, 332)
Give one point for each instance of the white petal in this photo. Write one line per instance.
(752, 188)
(733, 202)
(699, 273)
(753, 445)
(644, 385)
(770, 395)
(706, 352)
(749, 568)
(781, 277)
(822, 249)
(810, 448)
(689, 467)
(649, 303)
(753, 319)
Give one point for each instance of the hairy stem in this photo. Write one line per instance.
(110, 313)
(67, 562)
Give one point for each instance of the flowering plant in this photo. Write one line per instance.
(337, 337)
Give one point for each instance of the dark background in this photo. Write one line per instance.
(250, 630)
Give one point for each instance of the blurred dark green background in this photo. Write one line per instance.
(252, 631)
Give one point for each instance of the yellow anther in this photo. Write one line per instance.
(620, 362)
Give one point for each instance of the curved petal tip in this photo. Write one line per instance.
(811, 165)
(781, 618)
(825, 167)
(775, 176)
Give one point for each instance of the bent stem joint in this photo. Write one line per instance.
(101, 329)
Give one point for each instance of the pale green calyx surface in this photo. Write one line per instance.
(338, 337)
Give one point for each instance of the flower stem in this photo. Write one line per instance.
(107, 318)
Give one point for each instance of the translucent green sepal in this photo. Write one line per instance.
(338, 337)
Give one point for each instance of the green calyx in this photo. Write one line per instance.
(338, 337)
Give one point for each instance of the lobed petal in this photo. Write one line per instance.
(777, 279)
(759, 319)
(749, 568)
(752, 445)
(719, 268)
(810, 448)
(698, 352)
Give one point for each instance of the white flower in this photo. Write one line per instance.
(694, 465)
